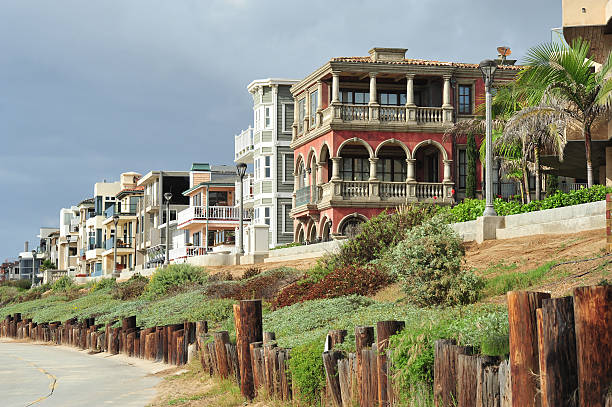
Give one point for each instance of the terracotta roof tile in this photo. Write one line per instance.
(420, 62)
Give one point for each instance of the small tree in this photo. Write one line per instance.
(472, 157)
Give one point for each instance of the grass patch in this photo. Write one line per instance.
(505, 282)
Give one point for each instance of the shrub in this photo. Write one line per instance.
(132, 288)
(8, 294)
(62, 284)
(472, 157)
(103, 284)
(221, 276)
(428, 263)
(251, 272)
(265, 285)
(174, 275)
(348, 280)
(307, 373)
(470, 209)
(381, 233)
(20, 284)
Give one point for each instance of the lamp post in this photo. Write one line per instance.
(488, 68)
(241, 170)
(33, 266)
(115, 222)
(167, 197)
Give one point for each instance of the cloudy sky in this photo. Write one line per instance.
(90, 89)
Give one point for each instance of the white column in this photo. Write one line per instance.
(335, 87)
(336, 161)
(446, 91)
(410, 169)
(409, 89)
(319, 103)
(373, 99)
(294, 127)
(373, 162)
(447, 170)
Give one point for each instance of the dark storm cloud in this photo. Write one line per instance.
(89, 89)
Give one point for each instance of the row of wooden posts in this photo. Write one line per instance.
(560, 354)
(168, 344)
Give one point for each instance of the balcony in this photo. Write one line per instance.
(179, 254)
(123, 210)
(122, 243)
(371, 194)
(215, 213)
(243, 146)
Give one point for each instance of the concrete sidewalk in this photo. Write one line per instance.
(46, 375)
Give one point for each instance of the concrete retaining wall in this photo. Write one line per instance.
(569, 219)
(304, 252)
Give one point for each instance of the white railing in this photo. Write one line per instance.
(243, 143)
(355, 112)
(429, 190)
(355, 189)
(572, 186)
(392, 114)
(214, 213)
(186, 251)
(429, 115)
(392, 190)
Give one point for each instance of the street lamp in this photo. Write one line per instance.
(115, 222)
(167, 197)
(488, 68)
(241, 170)
(33, 266)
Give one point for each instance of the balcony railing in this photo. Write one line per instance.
(186, 251)
(429, 115)
(123, 210)
(303, 196)
(572, 186)
(355, 112)
(389, 114)
(430, 190)
(214, 213)
(243, 143)
(122, 243)
(392, 114)
(92, 244)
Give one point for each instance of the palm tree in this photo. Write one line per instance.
(563, 81)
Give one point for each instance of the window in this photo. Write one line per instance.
(257, 117)
(314, 103)
(268, 116)
(186, 237)
(391, 169)
(267, 166)
(287, 221)
(465, 99)
(172, 215)
(462, 170)
(355, 169)
(287, 117)
(266, 218)
(196, 238)
(287, 167)
(301, 114)
(356, 97)
(217, 198)
(256, 169)
(197, 199)
(392, 98)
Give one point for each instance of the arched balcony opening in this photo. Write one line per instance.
(391, 165)
(325, 164)
(429, 162)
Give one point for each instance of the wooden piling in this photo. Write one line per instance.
(364, 338)
(221, 339)
(445, 371)
(330, 364)
(557, 352)
(593, 318)
(384, 330)
(248, 320)
(524, 356)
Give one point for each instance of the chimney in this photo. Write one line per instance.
(26, 246)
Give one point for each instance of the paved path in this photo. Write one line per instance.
(41, 375)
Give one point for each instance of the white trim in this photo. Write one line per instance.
(284, 179)
(284, 117)
(284, 220)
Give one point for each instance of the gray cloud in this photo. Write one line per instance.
(91, 89)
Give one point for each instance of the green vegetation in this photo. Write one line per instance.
(307, 373)
(428, 263)
(284, 246)
(470, 209)
(502, 283)
(62, 284)
(174, 276)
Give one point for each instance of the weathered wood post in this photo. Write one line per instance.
(557, 352)
(330, 363)
(524, 359)
(248, 321)
(364, 338)
(445, 371)
(505, 386)
(384, 330)
(369, 378)
(222, 339)
(593, 316)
